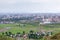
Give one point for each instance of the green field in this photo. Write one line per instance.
(27, 27)
(18, 27)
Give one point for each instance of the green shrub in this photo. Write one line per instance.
(2, 37)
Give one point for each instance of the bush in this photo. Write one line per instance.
(2, 37)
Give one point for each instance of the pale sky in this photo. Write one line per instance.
(29, 6)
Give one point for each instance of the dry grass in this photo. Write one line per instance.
(54, 37)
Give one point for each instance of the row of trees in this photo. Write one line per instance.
(31, 34)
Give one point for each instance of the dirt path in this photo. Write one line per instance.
(5, 29)
(18, 38)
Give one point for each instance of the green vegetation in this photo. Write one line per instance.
(27, 27)
(2, 37)
(17, 27)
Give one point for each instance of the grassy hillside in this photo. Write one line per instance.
(27, 27)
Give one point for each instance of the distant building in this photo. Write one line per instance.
(46, 21)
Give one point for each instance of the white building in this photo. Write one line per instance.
(45, 21)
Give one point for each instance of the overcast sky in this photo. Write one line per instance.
(30, 6)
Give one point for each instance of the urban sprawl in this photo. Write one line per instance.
(42, 18)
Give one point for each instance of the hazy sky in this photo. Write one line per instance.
(30, 6)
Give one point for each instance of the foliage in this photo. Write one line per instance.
(2, 37)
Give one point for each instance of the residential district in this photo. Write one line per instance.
(45, 18)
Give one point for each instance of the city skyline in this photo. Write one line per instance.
(29, 6)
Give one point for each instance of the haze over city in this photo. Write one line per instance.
(29, 19)
(29, 6)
